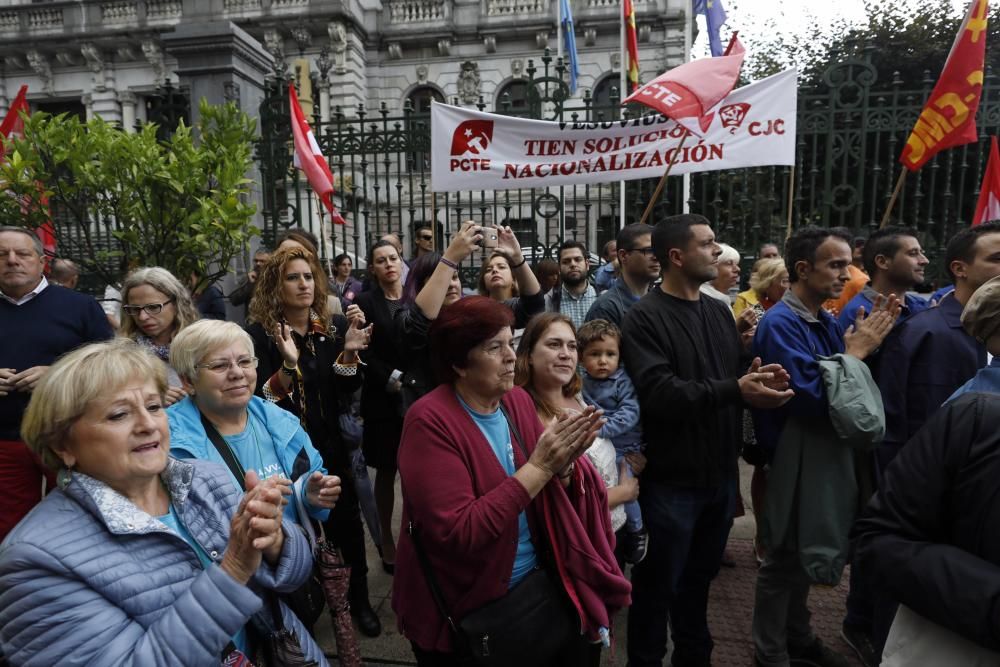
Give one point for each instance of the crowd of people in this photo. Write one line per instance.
(566, 441)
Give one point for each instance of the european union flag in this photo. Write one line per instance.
(715, 16)
(570, 39)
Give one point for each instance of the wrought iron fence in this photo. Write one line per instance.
(850, 134)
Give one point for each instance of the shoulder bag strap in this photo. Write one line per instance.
(224, 451)
(425, 565)
(514, 430)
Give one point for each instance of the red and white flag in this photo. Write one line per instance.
(690, 91)
(13, 127)
(988, 206)
(13, 123)
(309, 158)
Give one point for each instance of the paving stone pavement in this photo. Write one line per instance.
(730, 609)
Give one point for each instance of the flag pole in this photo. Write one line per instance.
(892, 199)
(686, 178)
(623, 92)
(791, 193)
(559, 35)
(434, 220)
(663, 180)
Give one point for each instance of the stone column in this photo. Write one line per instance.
(88, 105)
(127, 99)
(219, 62)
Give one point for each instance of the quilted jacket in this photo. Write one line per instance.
(87, 578)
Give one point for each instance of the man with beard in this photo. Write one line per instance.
(575, 295)
(813, 492)
(684, 356)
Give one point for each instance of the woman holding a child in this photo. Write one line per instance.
(537, 523)
(547, 359)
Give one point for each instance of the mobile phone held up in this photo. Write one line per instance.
(490, 238)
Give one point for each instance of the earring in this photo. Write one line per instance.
(64, 477)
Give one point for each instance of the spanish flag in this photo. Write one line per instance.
(631, 45)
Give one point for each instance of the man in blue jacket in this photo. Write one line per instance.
(795, 333)
(929, 356)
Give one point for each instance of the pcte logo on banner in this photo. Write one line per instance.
(471, 138)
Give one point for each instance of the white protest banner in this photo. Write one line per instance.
(472, 150)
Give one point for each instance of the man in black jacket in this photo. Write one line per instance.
(683, 354)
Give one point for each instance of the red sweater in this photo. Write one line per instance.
(466, 507)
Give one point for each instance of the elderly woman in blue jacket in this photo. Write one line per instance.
(216, 363)
(137, 558)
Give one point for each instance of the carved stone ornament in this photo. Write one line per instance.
(490, 43)
(444, 47)
(274, 44)
(231, 91)
(68, 58)
(95, 63)
(338, 42)
(644, 33)
(616, 59)
(422, 73)
(395, 51)
(517, 68)
(151, 49)
(542, 39)
(469, 83)
(302, 37)
(590, 36)
(40, 64)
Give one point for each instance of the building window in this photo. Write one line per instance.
(602, 105)
(418, 126)
(512, 99)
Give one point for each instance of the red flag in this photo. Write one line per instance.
(949, 117)
(631, 45)
(691, 90)
(309, 158)
(13, 126)
(13, 123)
(988, 206)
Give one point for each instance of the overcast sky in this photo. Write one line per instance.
(750, 17)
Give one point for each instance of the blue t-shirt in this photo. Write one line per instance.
(254, 448)
(496, 431)
(173, 522)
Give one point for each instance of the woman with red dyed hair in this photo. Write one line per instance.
(500, 511)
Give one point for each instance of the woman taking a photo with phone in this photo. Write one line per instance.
(506, 277)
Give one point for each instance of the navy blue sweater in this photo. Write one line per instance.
(37, 333)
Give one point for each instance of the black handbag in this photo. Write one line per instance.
(279, 646)
(307, 601)
(527, 627)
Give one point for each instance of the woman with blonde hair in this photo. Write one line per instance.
(139, 558)
(155, 307)
(768, 283)
(308, 363)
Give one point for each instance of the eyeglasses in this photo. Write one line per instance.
(647, 251)
(223, 365)
(150, 308)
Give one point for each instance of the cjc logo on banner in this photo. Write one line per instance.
(487, 151)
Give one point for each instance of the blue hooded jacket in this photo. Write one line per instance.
(616, 396)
